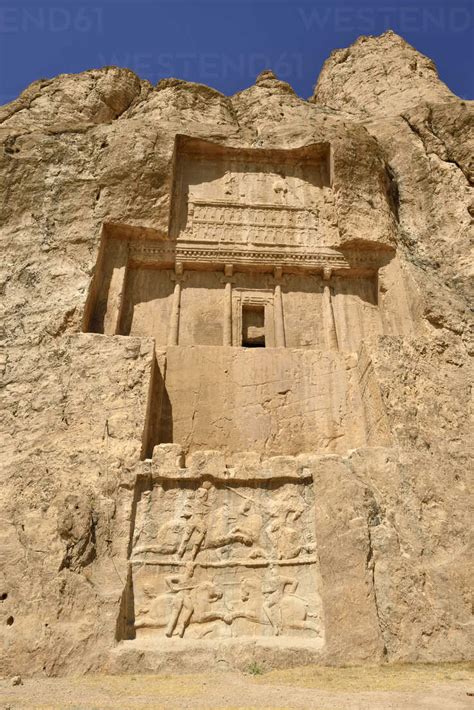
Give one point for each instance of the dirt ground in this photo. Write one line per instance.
(402, 687)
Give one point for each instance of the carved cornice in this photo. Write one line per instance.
(156, 254)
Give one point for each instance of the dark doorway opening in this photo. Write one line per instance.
(253, 326)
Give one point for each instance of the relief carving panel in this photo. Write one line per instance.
(256, 198)
(255, 224)
(226, 560)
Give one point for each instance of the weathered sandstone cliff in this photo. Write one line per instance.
(88, 163)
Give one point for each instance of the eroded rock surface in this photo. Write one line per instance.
(236, 369)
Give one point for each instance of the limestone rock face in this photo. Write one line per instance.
(236, 370)
(96, 96)
(379, 76)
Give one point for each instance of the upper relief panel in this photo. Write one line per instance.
(253, 198)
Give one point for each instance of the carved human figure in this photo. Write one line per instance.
(185, 601)
(145, 525)
(229, 184)
(227, 527)
(170, 534)
(218, 527)
(175, 603)
(287, 502)
(284, 608)
(273, 589)
(180, 586)
(193, 602)
(280, 190)
(285, 539)
(245, 185)
(196, 527)
(248, 527)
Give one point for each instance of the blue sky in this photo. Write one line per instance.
(222, 43)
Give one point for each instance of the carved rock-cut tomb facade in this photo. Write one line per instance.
(236, 384)
(246, 287)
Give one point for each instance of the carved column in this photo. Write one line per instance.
(328, 312)
(278, 310)
(177, 277)
(227, 330)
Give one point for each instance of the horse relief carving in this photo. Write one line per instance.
(225, 561)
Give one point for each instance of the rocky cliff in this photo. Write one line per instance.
(81, 151)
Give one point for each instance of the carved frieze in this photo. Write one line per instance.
(232, 222)
(226, 560)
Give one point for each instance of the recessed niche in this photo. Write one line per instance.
(253, 326)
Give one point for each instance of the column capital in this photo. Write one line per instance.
(226, 278)
(178, 272)
(278, 273)
(327, 273)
